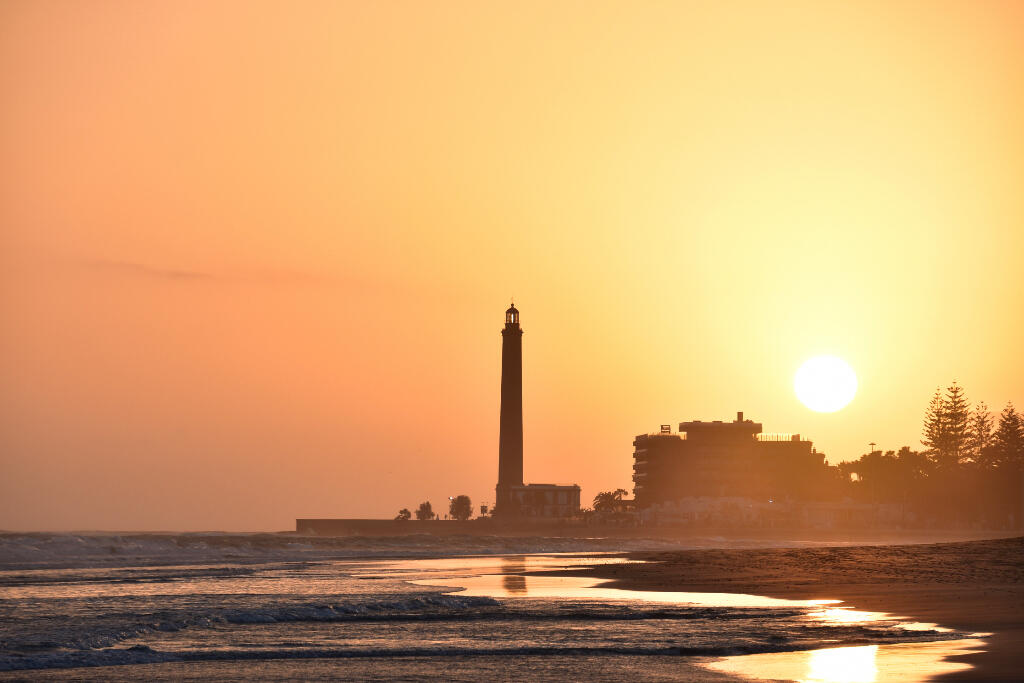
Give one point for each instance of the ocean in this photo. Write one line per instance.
(280, 607)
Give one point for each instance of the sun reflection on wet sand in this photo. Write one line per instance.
(493, 585)
(491, 563)
(844, 664)
(858, 664)
(490, 576)
(844, 615)
(848, 615)
(862, 664)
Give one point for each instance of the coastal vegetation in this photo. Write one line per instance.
(425, 511)
(969, 471)
(461, 508)
(609, 501)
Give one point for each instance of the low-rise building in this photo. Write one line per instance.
(546, 500)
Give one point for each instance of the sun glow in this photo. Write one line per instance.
(825, 384)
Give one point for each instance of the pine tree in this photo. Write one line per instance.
(933, 438)
(980, 441)
(1008, 439)
(947, 427)
(956, 413)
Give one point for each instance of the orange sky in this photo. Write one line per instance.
(256, 255)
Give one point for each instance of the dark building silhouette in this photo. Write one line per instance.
(724, 459)
(512, 497)
(545, 500)
(510, 435)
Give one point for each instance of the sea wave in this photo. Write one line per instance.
(222, 597)
(141, 654)
(776, 630)
(413, 606)
(67, 550)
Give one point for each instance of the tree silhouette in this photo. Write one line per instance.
(947, 426)
(980, 439)
(934, 429)
(957, 420)
(403, 515)
(425, 511)
(607, 501)
(889, 477)
(461, 508)
(1008, 439)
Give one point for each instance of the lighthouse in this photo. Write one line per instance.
(510, 436)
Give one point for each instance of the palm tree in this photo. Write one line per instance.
(608, 501)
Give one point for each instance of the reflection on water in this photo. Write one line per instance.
(859, 664)
(577, 587)
(367, 610)
(474, 563)
(863, 664)
(845, 615)
(512, 579)
(843, 665)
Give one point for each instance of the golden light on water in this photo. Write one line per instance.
(889, 663)
(843, 665)
(825, 384)
(845, 615)
(898, 662)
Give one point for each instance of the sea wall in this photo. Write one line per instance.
(444, 527)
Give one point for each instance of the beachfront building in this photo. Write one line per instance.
(724, 460)
(546, 500)
(726, 512)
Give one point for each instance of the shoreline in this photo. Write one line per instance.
(27, 551)
(975, 586)
(921, 575)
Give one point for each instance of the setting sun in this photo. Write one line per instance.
(825, 384)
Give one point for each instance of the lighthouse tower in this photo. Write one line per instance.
(510, 439)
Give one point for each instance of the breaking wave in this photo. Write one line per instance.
(87, 600)
(54, 550)
(141, 654)
(778, 630)
(97, 645)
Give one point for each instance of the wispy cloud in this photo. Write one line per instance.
(144, 270)
(243, 276)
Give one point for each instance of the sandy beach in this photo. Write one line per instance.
(973, 586)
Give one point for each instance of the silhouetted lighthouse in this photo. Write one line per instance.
(510, 438)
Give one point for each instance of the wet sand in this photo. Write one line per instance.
(540, 669)
(974, 586)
